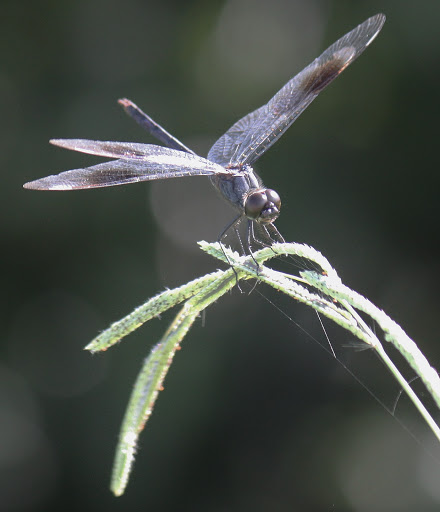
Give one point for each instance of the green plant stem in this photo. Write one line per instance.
(323, 291)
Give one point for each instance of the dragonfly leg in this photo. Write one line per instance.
(251, 238)
(274, 234)
(232, 225)
(267, 235)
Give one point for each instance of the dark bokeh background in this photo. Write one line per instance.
(255, 416)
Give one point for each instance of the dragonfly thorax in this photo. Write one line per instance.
(262, 205)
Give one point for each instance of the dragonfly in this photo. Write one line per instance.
(230, 160)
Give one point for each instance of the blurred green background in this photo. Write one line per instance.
(254, 416)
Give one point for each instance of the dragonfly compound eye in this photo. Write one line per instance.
(271, 209)
(273, 197)
(263, 205)
(254, 204)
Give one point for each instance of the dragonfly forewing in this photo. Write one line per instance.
(255, 133)
(141, 162)
(127, 150)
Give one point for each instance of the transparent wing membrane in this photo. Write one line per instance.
(255, 133)
(136, 162)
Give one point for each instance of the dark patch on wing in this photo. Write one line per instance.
(323, 74)
(255, 133)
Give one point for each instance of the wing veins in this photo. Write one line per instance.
(145, 163)
(256, 132)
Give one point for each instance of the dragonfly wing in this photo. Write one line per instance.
(151, 126)
(155, 163)
(114, 149)
(252, 135)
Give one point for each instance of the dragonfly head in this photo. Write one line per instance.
(262, 205)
